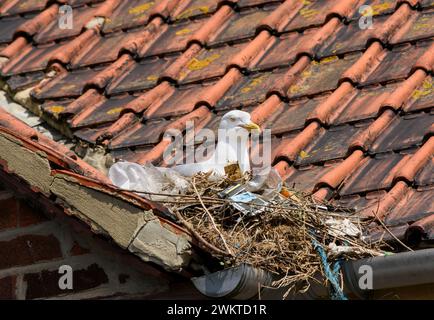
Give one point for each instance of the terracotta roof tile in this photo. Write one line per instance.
(129, 14)
(24, 81)
(246, 3)
(381, 170)
(321, 76)
(51, 32)
(291, 116)
(310, 13)
(30, 59)
(365, 104)
(426, 3)
(240, 26)
(54, 108)
(8, 27)
(180, 101)
(330, 144)
(91, 134)
(422, 97)
(107, 110)
(285, 49)
(388, 69)
(422, 229)
(359, 202)
(404, 132)
(139, 76)
(103, 49)
(14, 7)
(66, 84)
(415, 205)
(129, 154)
(425, 176)
(350, 109)
(90, 97)
(419, 26)
(379, 7)
(173, 39)
(193, 8)
(305, 178)
(140, 134)
(209, 63)
(250, 90)
(351, 38)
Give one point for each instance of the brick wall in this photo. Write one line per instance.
(33, 246)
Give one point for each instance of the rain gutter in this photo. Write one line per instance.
(393, 271)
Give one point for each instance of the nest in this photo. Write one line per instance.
(279, 239)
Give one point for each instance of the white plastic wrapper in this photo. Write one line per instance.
(343, 227)
(148, 179)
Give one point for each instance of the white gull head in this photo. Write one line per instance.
(232, 146)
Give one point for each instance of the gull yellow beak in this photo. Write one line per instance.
(251, 126)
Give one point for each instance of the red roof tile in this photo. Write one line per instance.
(13, 7)
(350, 109)
(131, 13)
(381, 169)
(30, 59)
(285, 49)
(82, 15)
(192, 8)
(106, 111)
(388, 69)
(209, 63)
(415, 205)
(174, 38)
(321, 76)
(304, 178)
(139, 76)
(291, 116)
(8, 26)
(66, 84)
(250, 90)
(330, 144)
(422, 97)
(405, 132)
(240, 26)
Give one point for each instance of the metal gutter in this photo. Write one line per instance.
(398, 270)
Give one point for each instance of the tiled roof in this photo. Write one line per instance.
(350, 109)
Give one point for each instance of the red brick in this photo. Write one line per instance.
(123, 278)
(7, 288)
(8, 213)
(78, 250)
(28, 249)
(29, 215)
(46, 283)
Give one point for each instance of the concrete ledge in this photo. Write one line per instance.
(129, 225)
(31, 166)
(166, 249)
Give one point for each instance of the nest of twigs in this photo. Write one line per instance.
(279, 240)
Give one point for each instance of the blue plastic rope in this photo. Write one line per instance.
(332, 275)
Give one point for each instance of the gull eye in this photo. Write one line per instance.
(233, 119)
